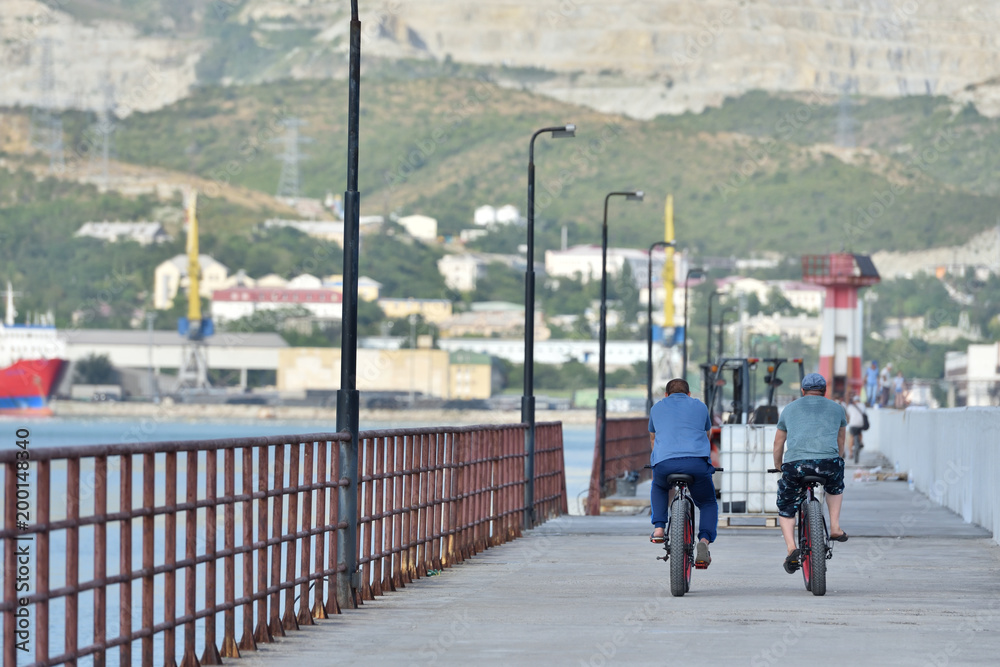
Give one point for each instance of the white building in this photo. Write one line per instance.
(802, 295)
(807, 328)
(236, 351)
(484, 216)
(271, 280)
(585, 261)
(619, 353)
(420, 227)
(461, 272)
(143, 233)
(488, 216)
(974, 375)
(305, 281)
(172, 275)
(467, 235)
(238, 302)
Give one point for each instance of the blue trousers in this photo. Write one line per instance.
(702, 492)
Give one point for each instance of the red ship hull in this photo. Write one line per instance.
(26, 385)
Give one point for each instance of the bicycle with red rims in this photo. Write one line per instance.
(679, 545)
(815, 547)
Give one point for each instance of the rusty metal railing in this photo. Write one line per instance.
(626, 450)
(428, 498)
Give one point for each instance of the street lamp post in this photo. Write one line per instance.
(649, 321)
(722, 326)
(528, 400)
(347, 395)
(635, 195)
(708, 340)
(696, 271)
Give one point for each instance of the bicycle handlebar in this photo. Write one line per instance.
(774, 469)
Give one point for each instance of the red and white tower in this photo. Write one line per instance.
(842, 274)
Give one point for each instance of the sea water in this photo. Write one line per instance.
(578, 447)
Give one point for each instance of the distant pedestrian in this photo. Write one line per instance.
(855, 424)
(899, 391)
(871, 383)
(884, 385)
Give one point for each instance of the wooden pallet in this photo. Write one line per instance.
(748, 521)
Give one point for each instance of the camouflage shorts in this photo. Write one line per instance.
(791, 490)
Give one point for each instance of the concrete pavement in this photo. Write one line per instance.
(913, 586)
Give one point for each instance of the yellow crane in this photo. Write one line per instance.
(668, 269)
(193, 371)
(194, 266)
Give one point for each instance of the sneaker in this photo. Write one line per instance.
(702, 557)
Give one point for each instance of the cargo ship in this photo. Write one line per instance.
(31, 363)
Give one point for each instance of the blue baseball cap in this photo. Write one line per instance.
(813, 381)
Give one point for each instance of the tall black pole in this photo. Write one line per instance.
(649, 321)
(708, 340)
(347, 396)
(602, 412)
(698, 271)
(722, 327)
(528, 400)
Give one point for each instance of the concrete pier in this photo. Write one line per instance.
(914, 585)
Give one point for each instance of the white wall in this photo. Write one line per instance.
(952, 456)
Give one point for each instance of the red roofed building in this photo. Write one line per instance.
(237, 302)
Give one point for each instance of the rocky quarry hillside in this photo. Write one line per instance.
(638, 57)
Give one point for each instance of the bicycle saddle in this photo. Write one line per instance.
(679, 477)
(813, 479)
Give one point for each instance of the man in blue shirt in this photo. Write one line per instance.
(813, 427)
(871, 384)
(679, 428)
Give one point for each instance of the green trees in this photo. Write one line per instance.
(95, 369)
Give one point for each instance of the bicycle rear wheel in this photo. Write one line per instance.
(802, 532)
(817, 547)
(680, 539)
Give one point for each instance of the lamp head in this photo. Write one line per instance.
(568, 132)
(696, 272)
(635, 196)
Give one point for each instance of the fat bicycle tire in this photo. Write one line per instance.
(680, 565)
(802, 528)
(817, 548)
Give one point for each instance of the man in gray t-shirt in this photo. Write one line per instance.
(813, 427)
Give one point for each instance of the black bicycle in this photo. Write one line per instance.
(815, 547)
(680, 540)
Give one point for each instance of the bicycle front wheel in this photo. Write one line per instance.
(817, 548)
(681, 538)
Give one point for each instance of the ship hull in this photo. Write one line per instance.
(25, 386)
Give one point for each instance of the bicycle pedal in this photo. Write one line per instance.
(701, 566)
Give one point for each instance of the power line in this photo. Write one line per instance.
(46, 124)
(289, 182)
(102, 148)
